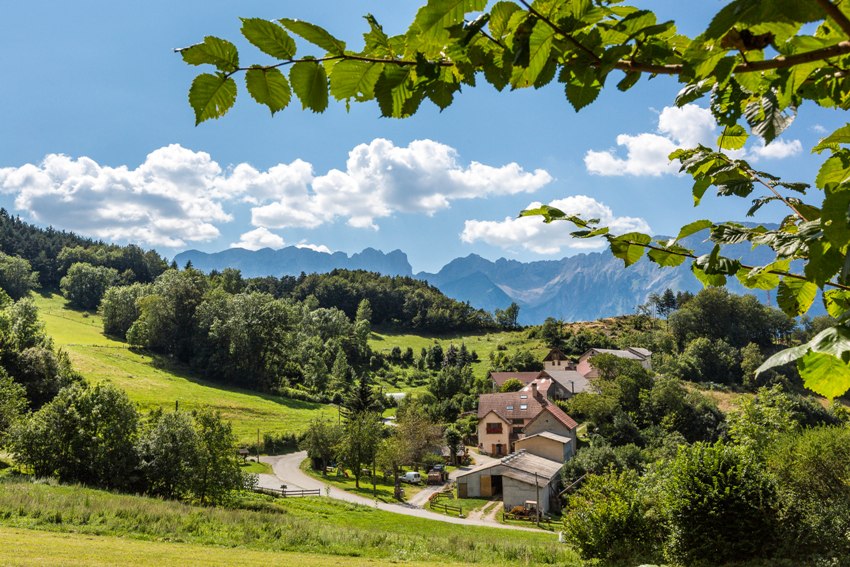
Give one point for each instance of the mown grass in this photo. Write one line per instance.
(304, 525)
(25, 548)
(383, 341)
(158, 382)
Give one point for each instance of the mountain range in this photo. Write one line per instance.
(582, 287)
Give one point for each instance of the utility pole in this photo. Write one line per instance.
(258, 444)
(176, 405)
(537, 508)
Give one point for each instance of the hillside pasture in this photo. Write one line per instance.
(159, 382)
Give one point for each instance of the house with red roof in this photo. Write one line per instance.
(503, 418)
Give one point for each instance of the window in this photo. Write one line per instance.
(510, 408)
(523, 396)
(517, 430)
(518, 421)
(523, 406)
(494, 428)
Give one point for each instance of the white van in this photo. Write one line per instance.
(411, 477)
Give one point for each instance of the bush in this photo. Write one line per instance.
(607, 519)
(720, 506)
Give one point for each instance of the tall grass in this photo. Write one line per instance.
(306, 525)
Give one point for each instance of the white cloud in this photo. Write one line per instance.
(259, 238)
(777, 149)
(819, 129)
(165, 201)
(686, 127)
(531, 233)
(381, 179)
(178, 195)
(315, 247)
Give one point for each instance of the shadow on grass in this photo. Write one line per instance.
(176, 368)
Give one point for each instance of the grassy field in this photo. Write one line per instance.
(157, 382)
(27, 548)
(300, 525)
(483, 344)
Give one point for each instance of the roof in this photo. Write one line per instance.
(555, 354)
(509, 405)
(522, 466)
(559, 414)
(571, 380)
(547, 435)
(525, 377)
(631, 353)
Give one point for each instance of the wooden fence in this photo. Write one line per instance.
(284, 493)
(446, 508)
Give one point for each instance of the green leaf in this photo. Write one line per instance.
(376, 40)
(583, 88)
(835, 216)
(355, 79)
(269, 87)
(500, 15)
(837, 303)
(831, 142)
(393, 92)
(824, 374)
(628, 81)
(629, 247)
(796, 296)
(733, 138)
(314, 34)
(539, 47)
(692, 228)
(268, 37)
(548, 213)
(834, 171)
(310, 83)
(213, 51)
(767, 118)
(761, 277)
(211, 96)
(672, 256)
(708, 280)
(783, 357)
(433, 19)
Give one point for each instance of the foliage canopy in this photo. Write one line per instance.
(755, 64)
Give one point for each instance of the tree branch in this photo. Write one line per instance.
(836, 14)
(557, 29)
(744, 266)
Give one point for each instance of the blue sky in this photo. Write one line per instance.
(96, 136)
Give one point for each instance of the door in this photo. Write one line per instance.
(461, 490)
(486, 488)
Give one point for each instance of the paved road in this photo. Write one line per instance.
(287, 471)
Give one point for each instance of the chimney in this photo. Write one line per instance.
(534, 389)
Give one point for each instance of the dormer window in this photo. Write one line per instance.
(523, 396)
(523, 406)
(510, 408)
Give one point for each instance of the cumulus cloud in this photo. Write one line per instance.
(259, 238)
(315, 247)
(381, 179)
(178, 195)
(532, 234)
(165, 201)
(686, 127)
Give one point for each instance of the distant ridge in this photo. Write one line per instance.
(291, 261)
(583, 287)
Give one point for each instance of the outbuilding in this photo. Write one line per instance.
(517, 478)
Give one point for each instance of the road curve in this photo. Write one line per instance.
(287, 472)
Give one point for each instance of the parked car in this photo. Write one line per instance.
(411, 477)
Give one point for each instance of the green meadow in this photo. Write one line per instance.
(158, 382)
(357, 535)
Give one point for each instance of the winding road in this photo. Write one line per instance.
(287, 472)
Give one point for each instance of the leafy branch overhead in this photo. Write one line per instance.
(755, 65)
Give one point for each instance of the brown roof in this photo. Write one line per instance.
(525, 377)
(522, 466)
(630, 353)
(508, 405)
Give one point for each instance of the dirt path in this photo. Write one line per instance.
(287, 471)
